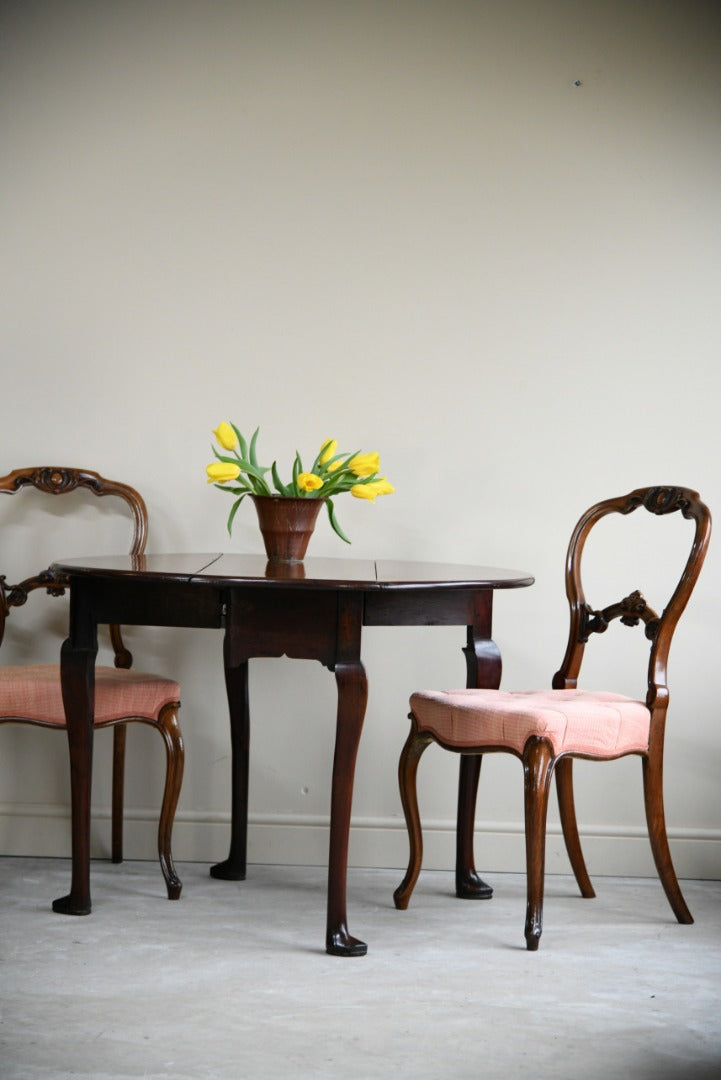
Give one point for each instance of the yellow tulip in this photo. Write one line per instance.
(221, 471)
(363, 491)
(226, 436)
(308, 481)
(373, 489)
(365, 464)
(328, 449)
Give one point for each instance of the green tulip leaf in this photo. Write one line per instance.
(280, 487)
(241, 441)
(251, 452)
(297, 468)
(233, 490)
(254, 471)
(229, 460)
(233, 512)
(334, 521)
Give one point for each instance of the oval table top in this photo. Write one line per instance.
(231, 568)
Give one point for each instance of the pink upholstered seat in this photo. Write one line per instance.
(573, 721)
(546, 729)
(32, 694)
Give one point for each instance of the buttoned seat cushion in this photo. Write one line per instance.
(33, 693)
(596, 724)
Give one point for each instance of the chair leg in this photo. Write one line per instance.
(119, 735)
(469, 884)
(537, 770)
(655, 818)
(567, 807)
(407, 770)
(175, 755)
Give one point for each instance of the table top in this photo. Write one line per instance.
(222, 568)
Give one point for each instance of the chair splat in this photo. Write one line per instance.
(631, 610)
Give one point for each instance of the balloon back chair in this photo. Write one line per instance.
(31, 693)
(547, 729)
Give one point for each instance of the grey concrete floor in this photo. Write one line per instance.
(232, 980)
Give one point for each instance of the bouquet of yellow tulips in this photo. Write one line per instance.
(237, 471)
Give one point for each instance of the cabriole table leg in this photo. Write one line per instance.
(78, 685)
(236, 680)
(352, 697)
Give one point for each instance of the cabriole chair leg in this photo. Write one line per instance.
(537, 771)
(407, 771)
(175, 755)
(567, 808)
(656, 821)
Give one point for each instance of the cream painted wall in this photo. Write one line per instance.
(404, 225)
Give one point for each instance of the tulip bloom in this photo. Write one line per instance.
(226, 436)
(371, 490)
(365, 464)
(221, 471)
(308, 481)
(327, 450)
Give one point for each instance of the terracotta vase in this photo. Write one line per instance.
(287, 525)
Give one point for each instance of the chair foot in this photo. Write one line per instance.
(174, 889)
(533, 930)
(173, 884)
(402, 895)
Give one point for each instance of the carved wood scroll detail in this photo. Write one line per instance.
(664, 500)
(16, 595)
(632, 609)
(57, 481)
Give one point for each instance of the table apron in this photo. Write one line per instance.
(300, 623)
(148, 603)
(423, 607)
(283, 621)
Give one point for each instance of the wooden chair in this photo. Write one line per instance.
(546, 729)
(31, 694)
